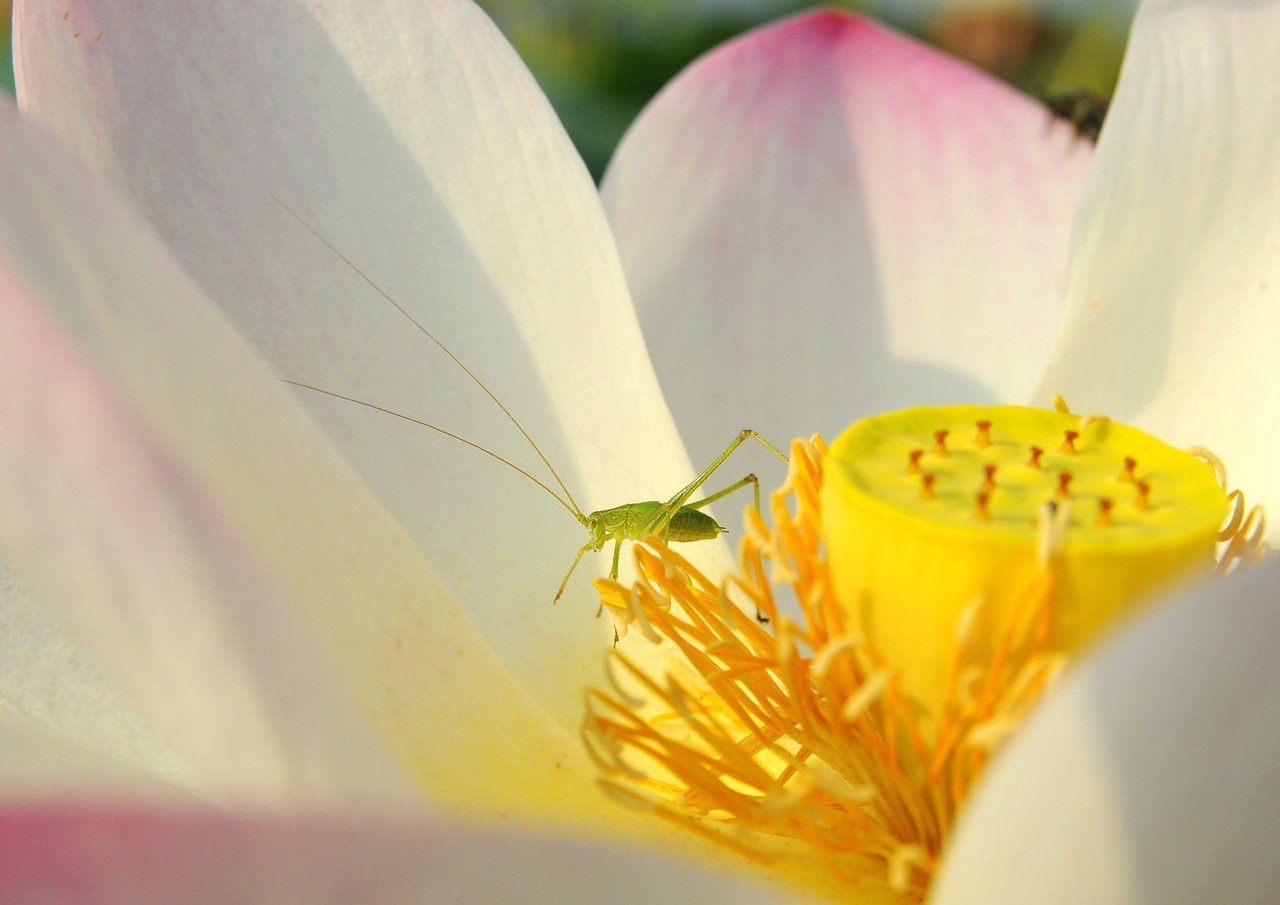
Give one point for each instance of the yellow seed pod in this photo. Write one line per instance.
(940, 521)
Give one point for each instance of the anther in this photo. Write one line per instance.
(1034, 461)
(1127, 475)
(982, 511)
(1104, 511)
(913, 461)
(1064, 484)
(1143, 501)
(989, 477)
(940, 443)
(926, 485)
(983, 439)
(1069, 442)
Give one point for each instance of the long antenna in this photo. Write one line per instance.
(438, 430)
(573, 504)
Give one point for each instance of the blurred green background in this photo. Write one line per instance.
(6, 49)
(600, 61)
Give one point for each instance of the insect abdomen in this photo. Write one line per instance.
(691, 525)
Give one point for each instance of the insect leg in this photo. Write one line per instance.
(577, 559)
(617, 551)
(663, 516)
(755, 486)
(613, 576)
(738, 485)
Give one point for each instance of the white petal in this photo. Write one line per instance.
(824, 219)
(109, 857)
(1175, 284)
(55, 687)
(41, 765)
(417, 143)
(127, 543)
(1150, 776)
(221, 457)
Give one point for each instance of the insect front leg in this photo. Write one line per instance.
(577, 559)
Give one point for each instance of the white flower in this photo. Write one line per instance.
(842, 221)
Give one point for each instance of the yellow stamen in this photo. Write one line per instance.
(820, 726)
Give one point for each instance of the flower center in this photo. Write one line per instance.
(921, 584)
(938, 517)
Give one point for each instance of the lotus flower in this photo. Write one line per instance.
(282, 602)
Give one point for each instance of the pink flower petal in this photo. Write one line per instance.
(108, 857)
(824, 219)
(1150, 776)
(1175, 294)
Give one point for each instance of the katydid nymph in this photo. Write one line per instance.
(675, 520)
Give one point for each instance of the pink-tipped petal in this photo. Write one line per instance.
(415, 141)
(824, 219)
(1150, 776)
(1174, 309)
(110, 857)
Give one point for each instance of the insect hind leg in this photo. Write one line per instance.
(663, 516)
(737, 485)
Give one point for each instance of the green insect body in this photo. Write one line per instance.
(627, 522)
(676, 520)
(687, 524)
(636, 521)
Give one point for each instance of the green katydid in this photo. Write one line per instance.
(676, 520)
